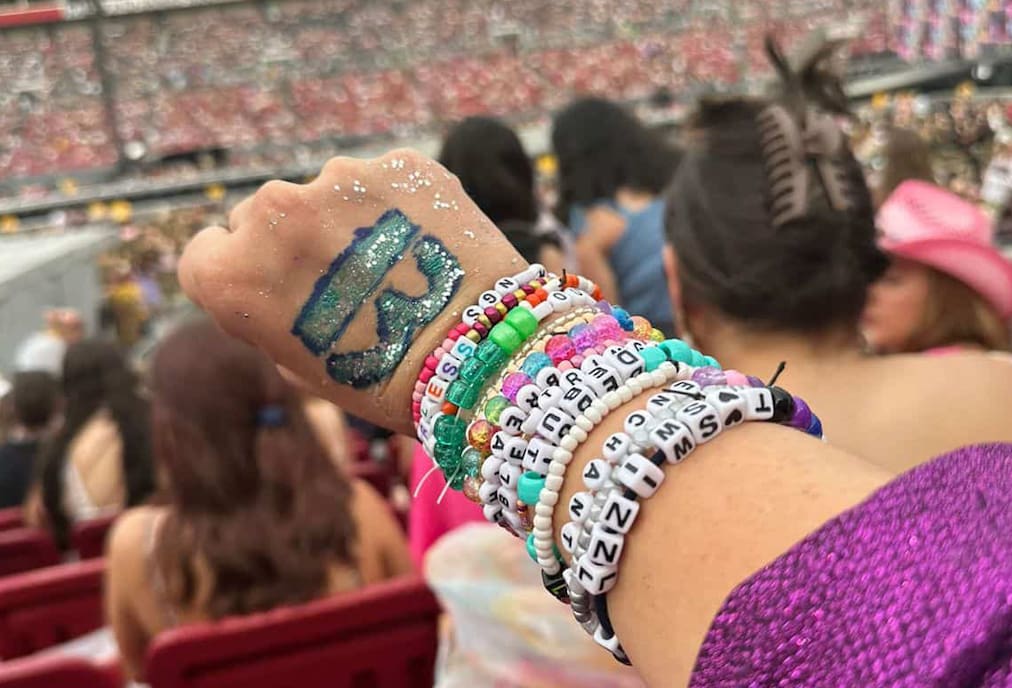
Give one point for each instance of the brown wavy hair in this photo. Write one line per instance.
(251, 493)
(955, 315)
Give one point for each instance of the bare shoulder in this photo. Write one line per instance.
(604, 225)
(969, 374)
(128, 541)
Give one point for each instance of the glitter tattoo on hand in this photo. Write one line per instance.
(354, 275)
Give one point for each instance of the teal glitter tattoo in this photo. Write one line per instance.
(400, 316)
(355, 274)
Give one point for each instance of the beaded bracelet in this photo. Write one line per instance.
(673, 424)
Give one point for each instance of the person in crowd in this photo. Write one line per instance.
(255, 513)
(947, 288)
(100, 459)
(34, 397)
(496, 172)
(612, 170)
(45, 350)
(907, 156)
(754, 288)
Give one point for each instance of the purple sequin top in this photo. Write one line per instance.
(911, 588)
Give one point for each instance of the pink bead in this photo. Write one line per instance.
(431, 362)
(416, 408)
(509, 300)
(512, 384)
(735, 378)
(416, 396)
(439, 353)
(560, 348)
(462, 329)
(481, 330)
(493, 314)
(574, 362)
(447, 344)
(426, 375)
(567, 365)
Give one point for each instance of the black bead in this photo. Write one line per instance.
(783, 405)
(556, 585)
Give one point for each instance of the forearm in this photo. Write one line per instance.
(733, 506)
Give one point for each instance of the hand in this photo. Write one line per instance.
(350, 281)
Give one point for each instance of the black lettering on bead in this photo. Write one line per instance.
(602, 551)
(497, 443)
(591, 472)
(617, 515)
(614, 443)
(683, 448)
(709, 426)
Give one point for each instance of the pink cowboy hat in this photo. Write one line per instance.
(926, 224)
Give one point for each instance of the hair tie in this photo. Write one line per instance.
(271, 416)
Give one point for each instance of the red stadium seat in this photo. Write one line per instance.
(24, 549)
(43, 608)
(11, 518)
(383, 636)
(54, 671)
(88, 537)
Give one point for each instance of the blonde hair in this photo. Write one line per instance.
(956, 314)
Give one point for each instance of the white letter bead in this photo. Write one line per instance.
(569, 533)
(579, 507)
(730, 406)
(602, 380)
(639, 474)
(498, 444)
(560, 301)
(516, 447)
(509, 475)
(488, 489)
(619, 513)
(488, 298)
(702, 419)
(595, 473)
(448, 367)
(530, 424)
(511, 420)
(673, 438)
(659, 404)
(759, 403)
(471, 314)
(549, 398)
(555, 424)
(576, 400)
(527, 397)
(637, 420)
(605, 548)
(538, 456)
(590, 362)
(626, 362)
(492, 512)
(635, 345)
(490, 468)
(571, 377)
(429, 406)
(506, 285)
(463, 348)
(616, 447)
(514, 521)
(686, 389)
(436, 389)
(548, 377)
(508, 498)
(596, 579)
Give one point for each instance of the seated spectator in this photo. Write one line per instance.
(947, 287)
(34, 397)
(256, 516)
(100, 461)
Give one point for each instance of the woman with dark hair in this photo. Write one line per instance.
(490, 161)
(772, 253)
(612, 170)
(100, 460)
(256, 515)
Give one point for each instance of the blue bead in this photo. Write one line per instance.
(623, 317)
(535, 362)
(653, 357)
(677, 350)
(815, 427)
(531, 552)
(712, 362)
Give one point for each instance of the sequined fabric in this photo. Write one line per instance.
(911, 588)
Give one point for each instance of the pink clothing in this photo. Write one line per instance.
(429, 521)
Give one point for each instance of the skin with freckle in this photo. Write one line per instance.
(225, 270)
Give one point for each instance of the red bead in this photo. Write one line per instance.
(426, 375)
(431, 362)
(463, 328)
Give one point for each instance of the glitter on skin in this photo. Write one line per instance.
(400, 316)
(354, 275)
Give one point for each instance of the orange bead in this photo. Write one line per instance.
(541, 294)
(449, 409)
(534, 299)
(572, 281)
(596, 293)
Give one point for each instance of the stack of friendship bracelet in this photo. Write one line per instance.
(512, 392)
